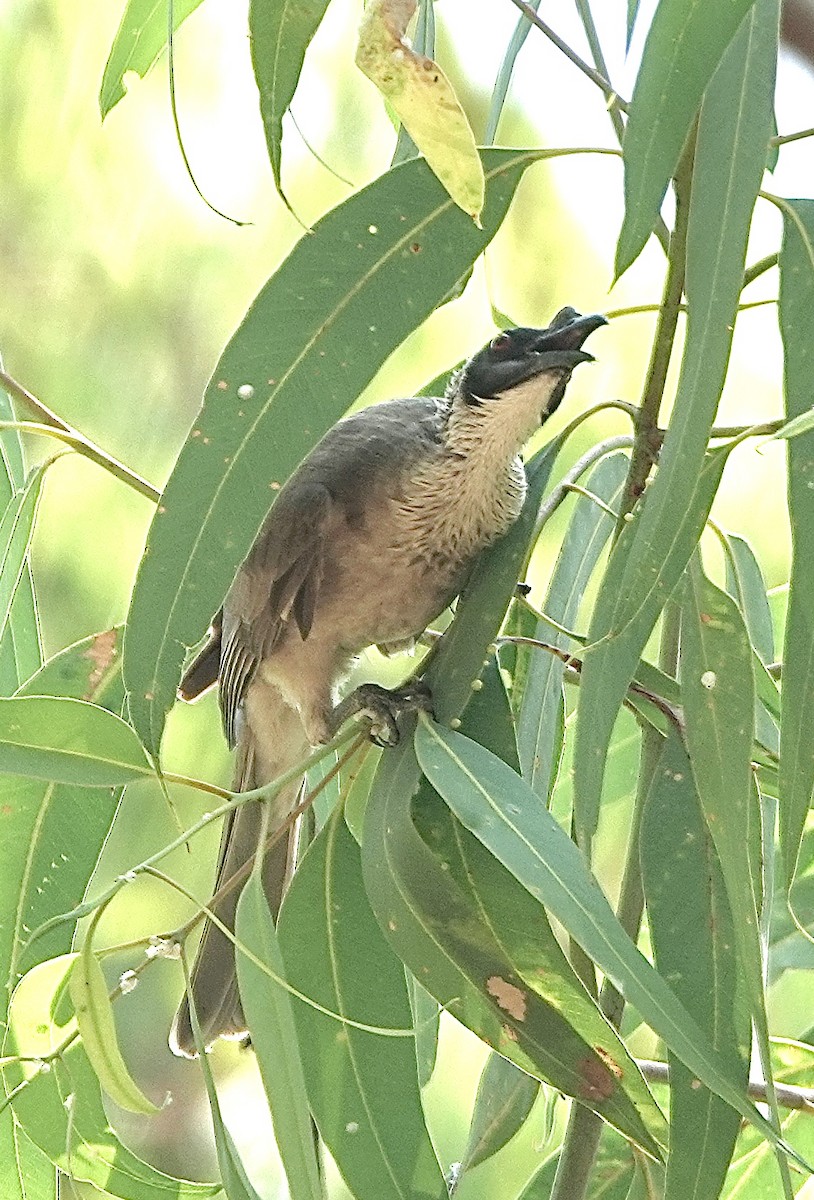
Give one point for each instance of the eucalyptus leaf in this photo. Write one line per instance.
(692, 932)
(684, 46)
(267, 1008)
(498, 807)
(733, 129)
(60, 1109)
(68, 741)
(362, 1085)
(280, 384)
(280, 32)
(797, 736)
(139, 40)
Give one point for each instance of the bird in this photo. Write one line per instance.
(370, 539)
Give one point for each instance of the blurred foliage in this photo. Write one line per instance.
(121, 289)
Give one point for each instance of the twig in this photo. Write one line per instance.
(783, 139)
(648, 436)
(78, 440)
(759, 268)
(800, 1099)
(613, 97)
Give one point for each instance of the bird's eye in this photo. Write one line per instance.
(501, 342)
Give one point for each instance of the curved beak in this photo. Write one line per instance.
(560, 345)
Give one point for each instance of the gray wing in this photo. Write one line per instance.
(358, 462)
(278, 583)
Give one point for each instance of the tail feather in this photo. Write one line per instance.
(214, 977)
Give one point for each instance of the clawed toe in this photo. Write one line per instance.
(383, 708)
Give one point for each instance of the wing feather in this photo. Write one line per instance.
(279, 581)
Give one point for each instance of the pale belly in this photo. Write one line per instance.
(390, 599)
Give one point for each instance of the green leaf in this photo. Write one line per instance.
(60, 1109)
(485, 950)
(797, 728)
(693, 940)
(684, 46)
(789, 948)
(426, 1022)
(94, 1016)
(53, 833)
(637, 583)
(236, 1183)
(280, 385)
(424, 100)
(271, 1025)
(504, 1100)
(500, 809)
(280, 32)
(717, 688)
(139, 40)
(464, 650)
(25, 1172)
(363, 1086)
(357, 782)
(504, 75)
(745, 583)
(632, 13)
(655, 547)
(68, 741)
(542, 713)
(797, 425)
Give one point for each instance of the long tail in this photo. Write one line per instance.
(272, 741)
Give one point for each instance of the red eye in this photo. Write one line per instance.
(501, 342)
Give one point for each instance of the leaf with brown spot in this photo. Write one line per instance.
(423, 99)
(598, 1082)
(508, 995)
(102, 652)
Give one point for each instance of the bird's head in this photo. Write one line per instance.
(532, 366)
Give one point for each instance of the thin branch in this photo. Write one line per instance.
(783, 139)
(614, 110)
(759, 268)
(637, 310)
(613, 97)
(797, 1098)
(237, 800)
(574, 665)
(648, 435)
(78, 440)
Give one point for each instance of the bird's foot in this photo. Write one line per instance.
(383, 707)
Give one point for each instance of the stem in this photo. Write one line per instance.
(614, 99)
(78, 440)
(648, 437)
(759, 268)
(562, 490)
(599, 61)
(783, 139)
(797, 1098)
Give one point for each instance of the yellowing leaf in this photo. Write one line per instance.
(94, 1016)
(423, 99)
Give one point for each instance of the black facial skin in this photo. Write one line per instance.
(519, 354)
